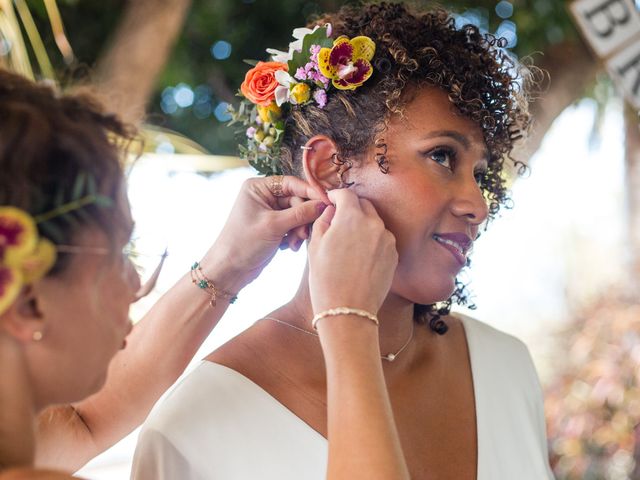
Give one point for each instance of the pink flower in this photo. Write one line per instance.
(251, 131)
(301, 73)
(320, 96)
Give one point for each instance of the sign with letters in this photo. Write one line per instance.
(612, 29)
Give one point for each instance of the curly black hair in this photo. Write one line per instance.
(415, 49)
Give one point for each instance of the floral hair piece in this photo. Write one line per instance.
(24, 257)
(305, 74)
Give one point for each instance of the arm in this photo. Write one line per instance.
(363, 439)
(164, 341)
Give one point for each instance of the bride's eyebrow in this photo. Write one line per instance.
(458, 137)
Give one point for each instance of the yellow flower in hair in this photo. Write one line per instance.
(39, 262)
(301, 93)
(24, 257)
(18, 235)
(348, 63)
(271, 113)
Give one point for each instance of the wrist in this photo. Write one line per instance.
(224, 273)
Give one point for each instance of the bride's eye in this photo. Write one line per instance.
(442, 156)
(481, 177)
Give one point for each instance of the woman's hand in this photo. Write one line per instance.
(261, 222)
(352, 256)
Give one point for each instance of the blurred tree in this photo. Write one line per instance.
(206, 68)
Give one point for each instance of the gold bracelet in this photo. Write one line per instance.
(343, 311)
(201, 281)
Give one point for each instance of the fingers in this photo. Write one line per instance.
(292, 187)
(300, 214)
(322, 224)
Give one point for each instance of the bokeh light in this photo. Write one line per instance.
(507, 30)
(221, 50)
(183, 95)
(221, 112)
(504, 9)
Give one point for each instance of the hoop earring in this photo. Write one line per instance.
(381, 157)
(343, 167)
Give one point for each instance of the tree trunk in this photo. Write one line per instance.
(141, 45)
(632, 187)
(570, 70)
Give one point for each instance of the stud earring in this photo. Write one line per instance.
(37, 336)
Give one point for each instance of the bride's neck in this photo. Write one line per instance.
(395, 316)
(17, 411)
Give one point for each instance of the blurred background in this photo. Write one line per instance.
(560, 270)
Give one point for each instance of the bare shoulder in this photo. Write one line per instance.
(256, 353)
(274, 357)
(476, 330)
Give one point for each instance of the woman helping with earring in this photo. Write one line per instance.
(66, 287)
(414, 118)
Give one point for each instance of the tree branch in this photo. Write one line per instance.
(126, 73)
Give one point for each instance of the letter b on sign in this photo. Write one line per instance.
(607, 24)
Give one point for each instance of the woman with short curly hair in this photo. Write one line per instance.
(417, 118)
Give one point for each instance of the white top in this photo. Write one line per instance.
(218, 424)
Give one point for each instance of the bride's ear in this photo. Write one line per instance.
(317, 161)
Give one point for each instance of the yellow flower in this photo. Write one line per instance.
(301, 93)
(18, 235)
(270, 113)
(348, 62)
(24, 258)
(39, 262)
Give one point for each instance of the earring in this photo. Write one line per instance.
(343, 167)
(304, 147)
(381, 157)
(37, 336)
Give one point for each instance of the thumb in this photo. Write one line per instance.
(295, 216)
(322, 224)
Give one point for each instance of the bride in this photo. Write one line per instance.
(414, 118)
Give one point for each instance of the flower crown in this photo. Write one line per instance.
(319, 64)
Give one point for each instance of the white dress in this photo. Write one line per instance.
(218, 424)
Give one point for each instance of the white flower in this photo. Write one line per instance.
(296, 46)
(282, 91)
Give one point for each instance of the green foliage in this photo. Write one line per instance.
(300, 59)
(70, 206)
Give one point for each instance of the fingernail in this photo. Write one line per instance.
(297, 246)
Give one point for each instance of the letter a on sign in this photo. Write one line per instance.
(607, 24)
(624, 68)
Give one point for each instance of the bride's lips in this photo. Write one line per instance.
(458, 244)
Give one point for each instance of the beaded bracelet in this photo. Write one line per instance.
(199, 279)
(343, 311)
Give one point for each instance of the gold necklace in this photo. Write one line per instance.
(389, 357)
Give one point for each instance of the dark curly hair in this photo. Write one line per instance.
(47, 141)
(415, 49)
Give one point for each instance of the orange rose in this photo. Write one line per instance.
(260, 82)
